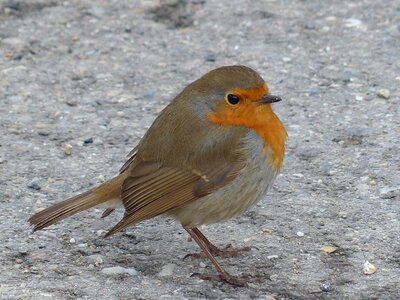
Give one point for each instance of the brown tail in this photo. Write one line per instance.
(53, 214)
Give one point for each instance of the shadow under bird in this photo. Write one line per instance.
(210, 155)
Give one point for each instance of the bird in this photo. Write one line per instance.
(210, 155)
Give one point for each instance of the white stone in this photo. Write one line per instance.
(384, 93)
(368, 268)
(354, 23)
(68, 149)
(117, 270)
(359, 98)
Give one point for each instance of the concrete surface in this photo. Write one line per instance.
(94, 74)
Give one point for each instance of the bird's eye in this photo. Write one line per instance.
(232, 99)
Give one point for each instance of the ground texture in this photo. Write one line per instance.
(94, 74)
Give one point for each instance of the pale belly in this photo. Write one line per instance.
(237, 197)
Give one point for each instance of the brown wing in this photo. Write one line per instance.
(153, 189)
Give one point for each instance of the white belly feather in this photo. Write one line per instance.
(238, 196)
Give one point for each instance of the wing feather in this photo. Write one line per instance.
(153, 189)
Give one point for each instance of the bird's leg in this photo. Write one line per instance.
(228, 251)
(213, 249)
(223, 275)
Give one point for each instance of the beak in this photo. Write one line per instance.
(269, 99)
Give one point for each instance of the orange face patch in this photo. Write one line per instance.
(256, 116)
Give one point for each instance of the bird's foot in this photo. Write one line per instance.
(225, 277)
(227, 251)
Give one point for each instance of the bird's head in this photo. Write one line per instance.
(238, 97)
(233, 95)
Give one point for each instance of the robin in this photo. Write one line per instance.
(209, 156)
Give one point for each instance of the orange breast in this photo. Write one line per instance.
(274, 135)
(261, 119)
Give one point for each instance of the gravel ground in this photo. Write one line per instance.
(94, 74)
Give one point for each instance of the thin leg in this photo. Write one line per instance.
(223, 275)
(213, 249)
(228, 251)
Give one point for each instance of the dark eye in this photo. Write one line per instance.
(232, 99)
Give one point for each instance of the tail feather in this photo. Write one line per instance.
(53, 214)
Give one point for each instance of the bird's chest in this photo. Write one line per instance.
(238, 196)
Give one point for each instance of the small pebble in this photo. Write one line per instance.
(43, 133)
(19, 261)
(331, 19)
(119, 270)
(167, 270)
(211, 57)
(328, 249)
(274, 256)
(384, 93)
(354, 23)
(72, 241)
(368, 268)
(359, 98)
(71, 103)
(298, 175)
(300, 233)
(35, 184)
(68, 149)
(88, 141)
(324, 29)
(202, 265)
(130, 234)
(100, 232)
(325, 287)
